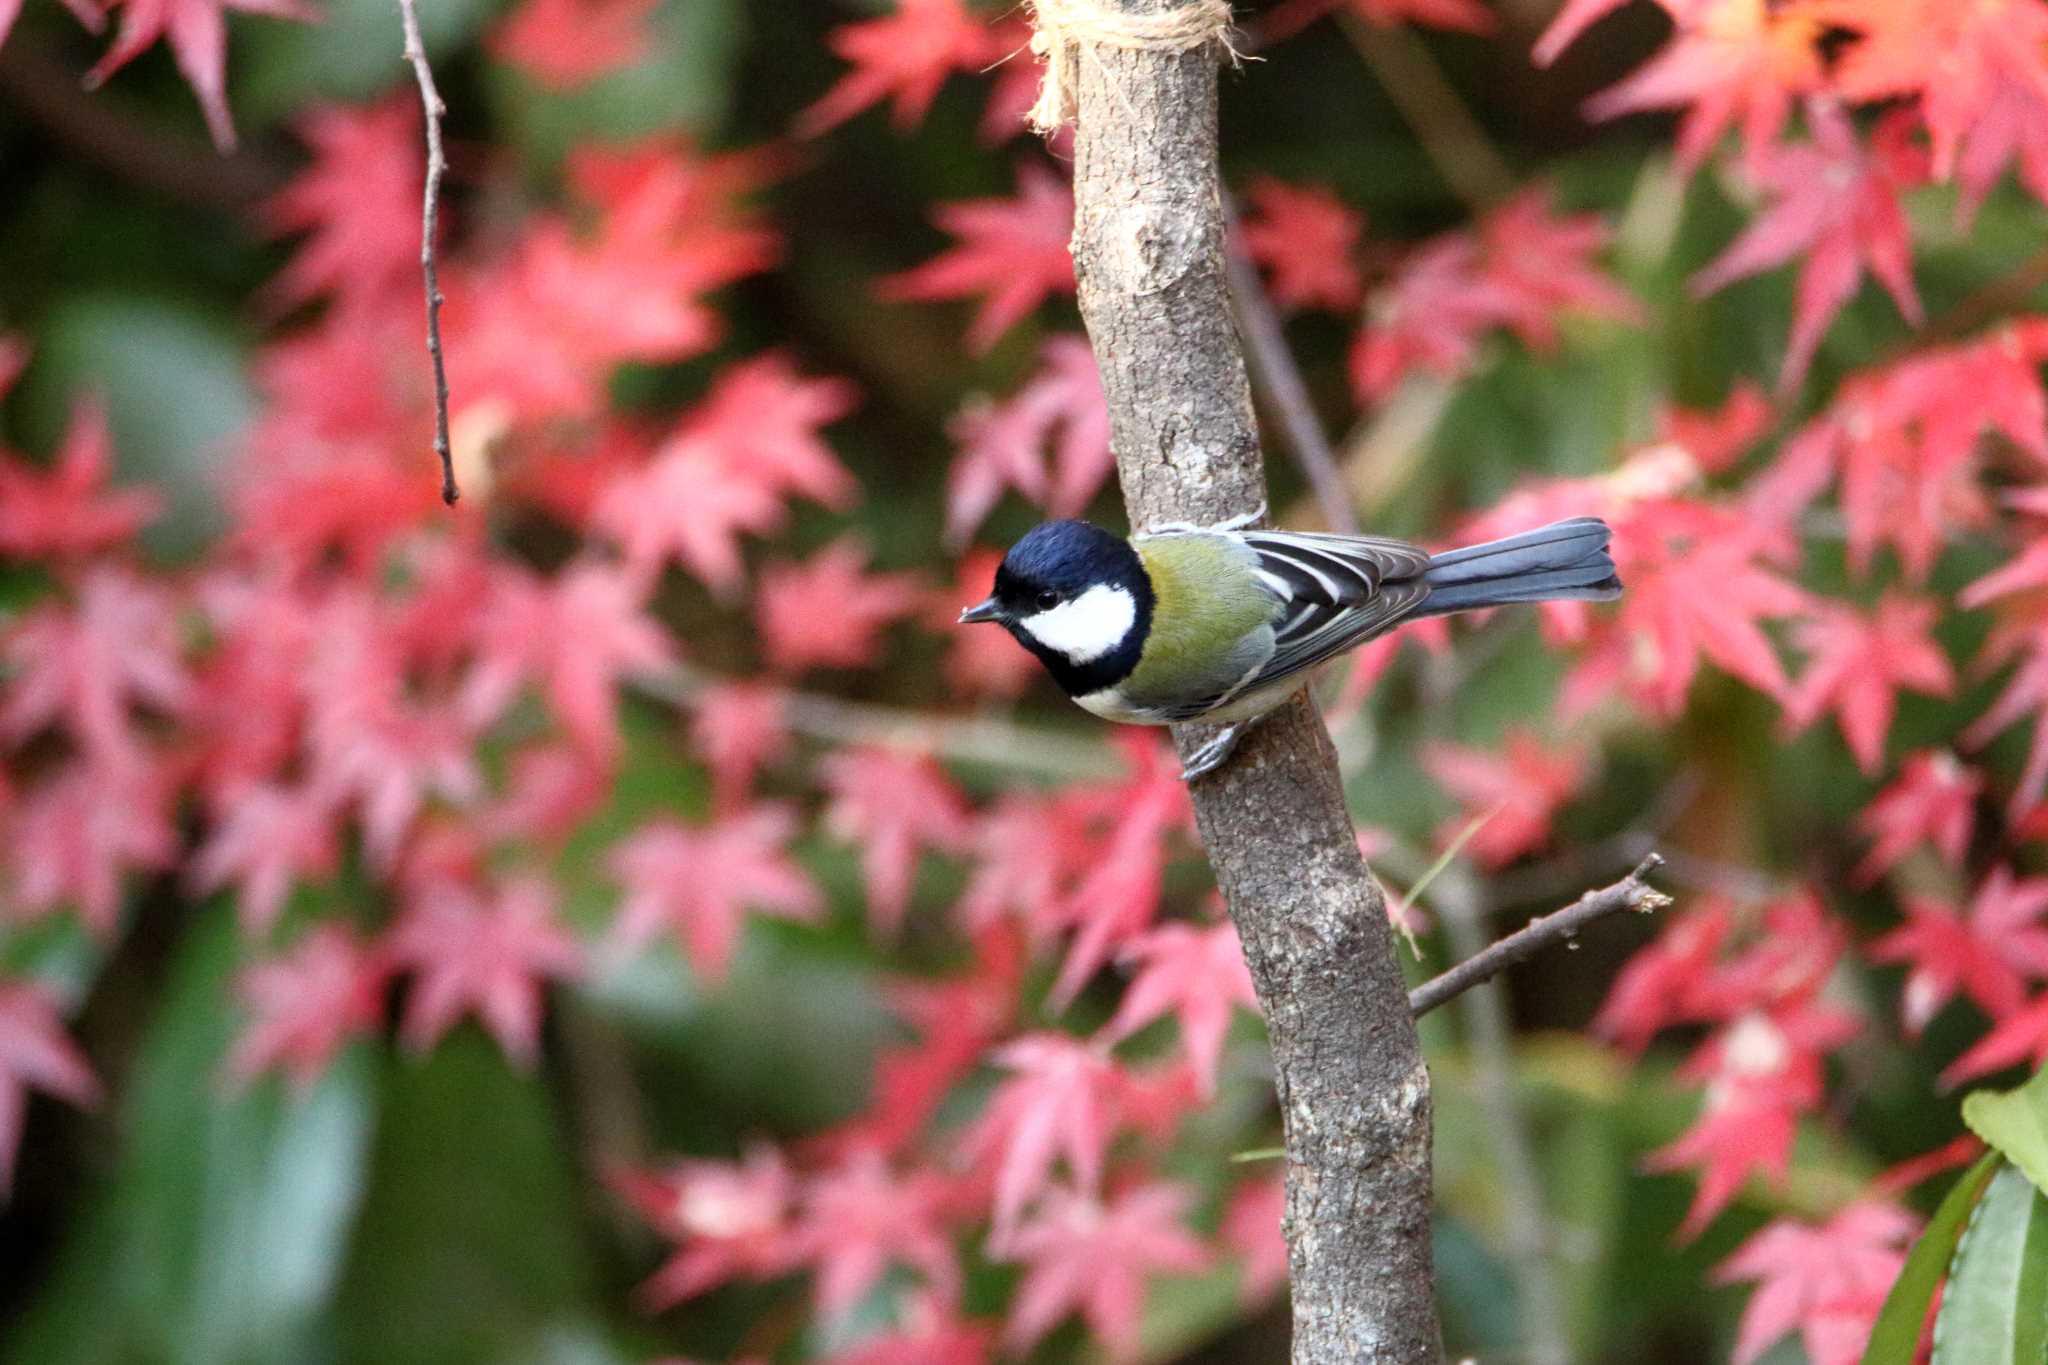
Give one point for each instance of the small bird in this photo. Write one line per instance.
(1219, 623)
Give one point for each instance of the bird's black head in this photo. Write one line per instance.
(1078, 598)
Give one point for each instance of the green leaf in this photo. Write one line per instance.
(220, 1236)
(2015, 1122)
(471, 1246)
(1896, 1335)
(1995, 1309)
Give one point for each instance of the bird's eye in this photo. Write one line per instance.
(1048, 599)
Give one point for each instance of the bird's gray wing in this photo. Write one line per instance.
(1337, 591)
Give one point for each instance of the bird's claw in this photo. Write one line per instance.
(1237, 523)
(1213, 754)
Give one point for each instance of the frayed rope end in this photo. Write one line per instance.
(1061, 27)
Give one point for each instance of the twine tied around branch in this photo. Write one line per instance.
(1061, 27)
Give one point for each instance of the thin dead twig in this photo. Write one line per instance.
(430, 212)
(1630, 893)
(834, 720)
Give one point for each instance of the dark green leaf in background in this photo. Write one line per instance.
(218, 1238)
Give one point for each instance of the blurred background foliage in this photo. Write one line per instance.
(451, 1208)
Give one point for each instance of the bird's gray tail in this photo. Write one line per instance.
(1566, 561)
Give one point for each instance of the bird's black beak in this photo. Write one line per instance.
(986, 610)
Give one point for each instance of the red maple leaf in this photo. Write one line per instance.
(306, 1004)
(1118, 893)
(265, 839)
(1515, 791)
(1978, 70)
(68, 511)
(1049, 441)
(540, 328)
(1727, 60)
(1906, 440)
(1985, 954)
(35, 1054)
(1094, 1258)
(486, 955)
(1030, 850)
(358, 204)
(1827, 1281)
(84, 666)
(72, 837)
(1761, 1072)
(1695, 590)
(1430, 316)
(1858, 662)
(699, 883)
(1523, 268)
(905, 57)
(689, 504)
(1012, 251)
(550, 790)
(763, 418)
(566, 44)
(1306, 239)
(574, 637)
(1544, 261)
(1060, 1101)
(1933, 800)
(1714, 438)
(2021, 637)
(1837, 204)
(738, 728)
(860, 1218)
(1669, 980)
(829, 611)
(372, 740)
(730, 1221)
(894, 805)
(2027, 571)
(1195, 974)
(198, 35)
(2021, 1036)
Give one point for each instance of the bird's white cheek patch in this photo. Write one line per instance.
(1088, 627)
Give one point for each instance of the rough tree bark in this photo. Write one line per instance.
(1354, 1094)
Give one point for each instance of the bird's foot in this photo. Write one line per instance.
(1222, 527)
(1215, 752)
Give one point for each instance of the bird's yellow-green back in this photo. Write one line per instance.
(1211, 618)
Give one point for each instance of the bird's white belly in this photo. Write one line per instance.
(1110, 706)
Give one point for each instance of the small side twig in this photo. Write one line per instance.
(834, 720)
(1470, 164)
(1630, 893)
(430, 209)
(1274, 371)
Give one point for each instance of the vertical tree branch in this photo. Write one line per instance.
(430, 211)
(1353, 1091)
